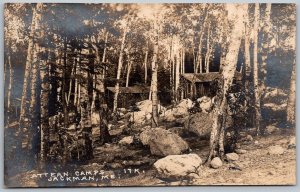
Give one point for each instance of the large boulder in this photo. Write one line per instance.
(146, 106)
(179, 111)
(163, 142)
(205, 104)
(145, 136)
(126, 140)
(144, 112)
(139, 117)
(199, 123)
(177, 166)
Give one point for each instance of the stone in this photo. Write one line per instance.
(249, 138)
(179, 111)
(256, 142)
(199, 123)
(176, 166)
(145, 136)
(216, 163)
(240, 151)
(126, 140)
(205, 104)
(271, 129)
(275, 150)
(292, 143)
(163, 143)
(232, 157)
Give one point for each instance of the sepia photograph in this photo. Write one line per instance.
(136, 94)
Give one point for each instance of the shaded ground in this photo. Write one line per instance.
(256, 166)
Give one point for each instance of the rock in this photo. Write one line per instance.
(178, 165)
(275, 150)
(271, 129)
(126, 140)
(179, 111)
(256, 142)
(146, 106)
(235, 166)
(249, 138)
(138, 117)
(177, 130)
(163, 142)
(240, 151)
(199, 123)
(145, 136)
(116, 165)
(205, 104)
(232, 157)
(216, 163)
(292, 143)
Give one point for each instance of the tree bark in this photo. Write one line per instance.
(199, 55)
(44, 98)
(128, 70)
(177, 75)
(36, 15)
(145, 65)
(154, 78)
(292, 97)
(255, 71)
(236, 13)
(120, 64)
(266, 29)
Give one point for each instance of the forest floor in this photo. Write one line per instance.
(132, 165)
(256, 166)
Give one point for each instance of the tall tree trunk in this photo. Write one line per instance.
(255, 71)
(120, 64)
(10, 84)
(208, 50)
(154, 78)
(177, 75)
(235, 14)
(291, 105)
(33, 108)
(266, 29)
(292, 97)
(104, 53)
(101, 97)
(44, 98)
(145, 65)
(183, 60)
(199, 54)
(128, 70)
(36, 15)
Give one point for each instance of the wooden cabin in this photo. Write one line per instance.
(196, 85)
(128, 95)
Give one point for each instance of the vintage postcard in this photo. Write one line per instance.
(149, 94)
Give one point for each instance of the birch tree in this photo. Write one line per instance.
(120, 64)
(154, 77)
(255, 71)
(35, 23)
(236, 14)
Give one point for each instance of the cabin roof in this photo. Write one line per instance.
(131, 90)
(207, 77)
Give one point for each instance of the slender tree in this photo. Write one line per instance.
(255, 71)
(236, 13)
(120, 64)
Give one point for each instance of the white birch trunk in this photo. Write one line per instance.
(120, 64)
(236, 12)
(255, 71)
